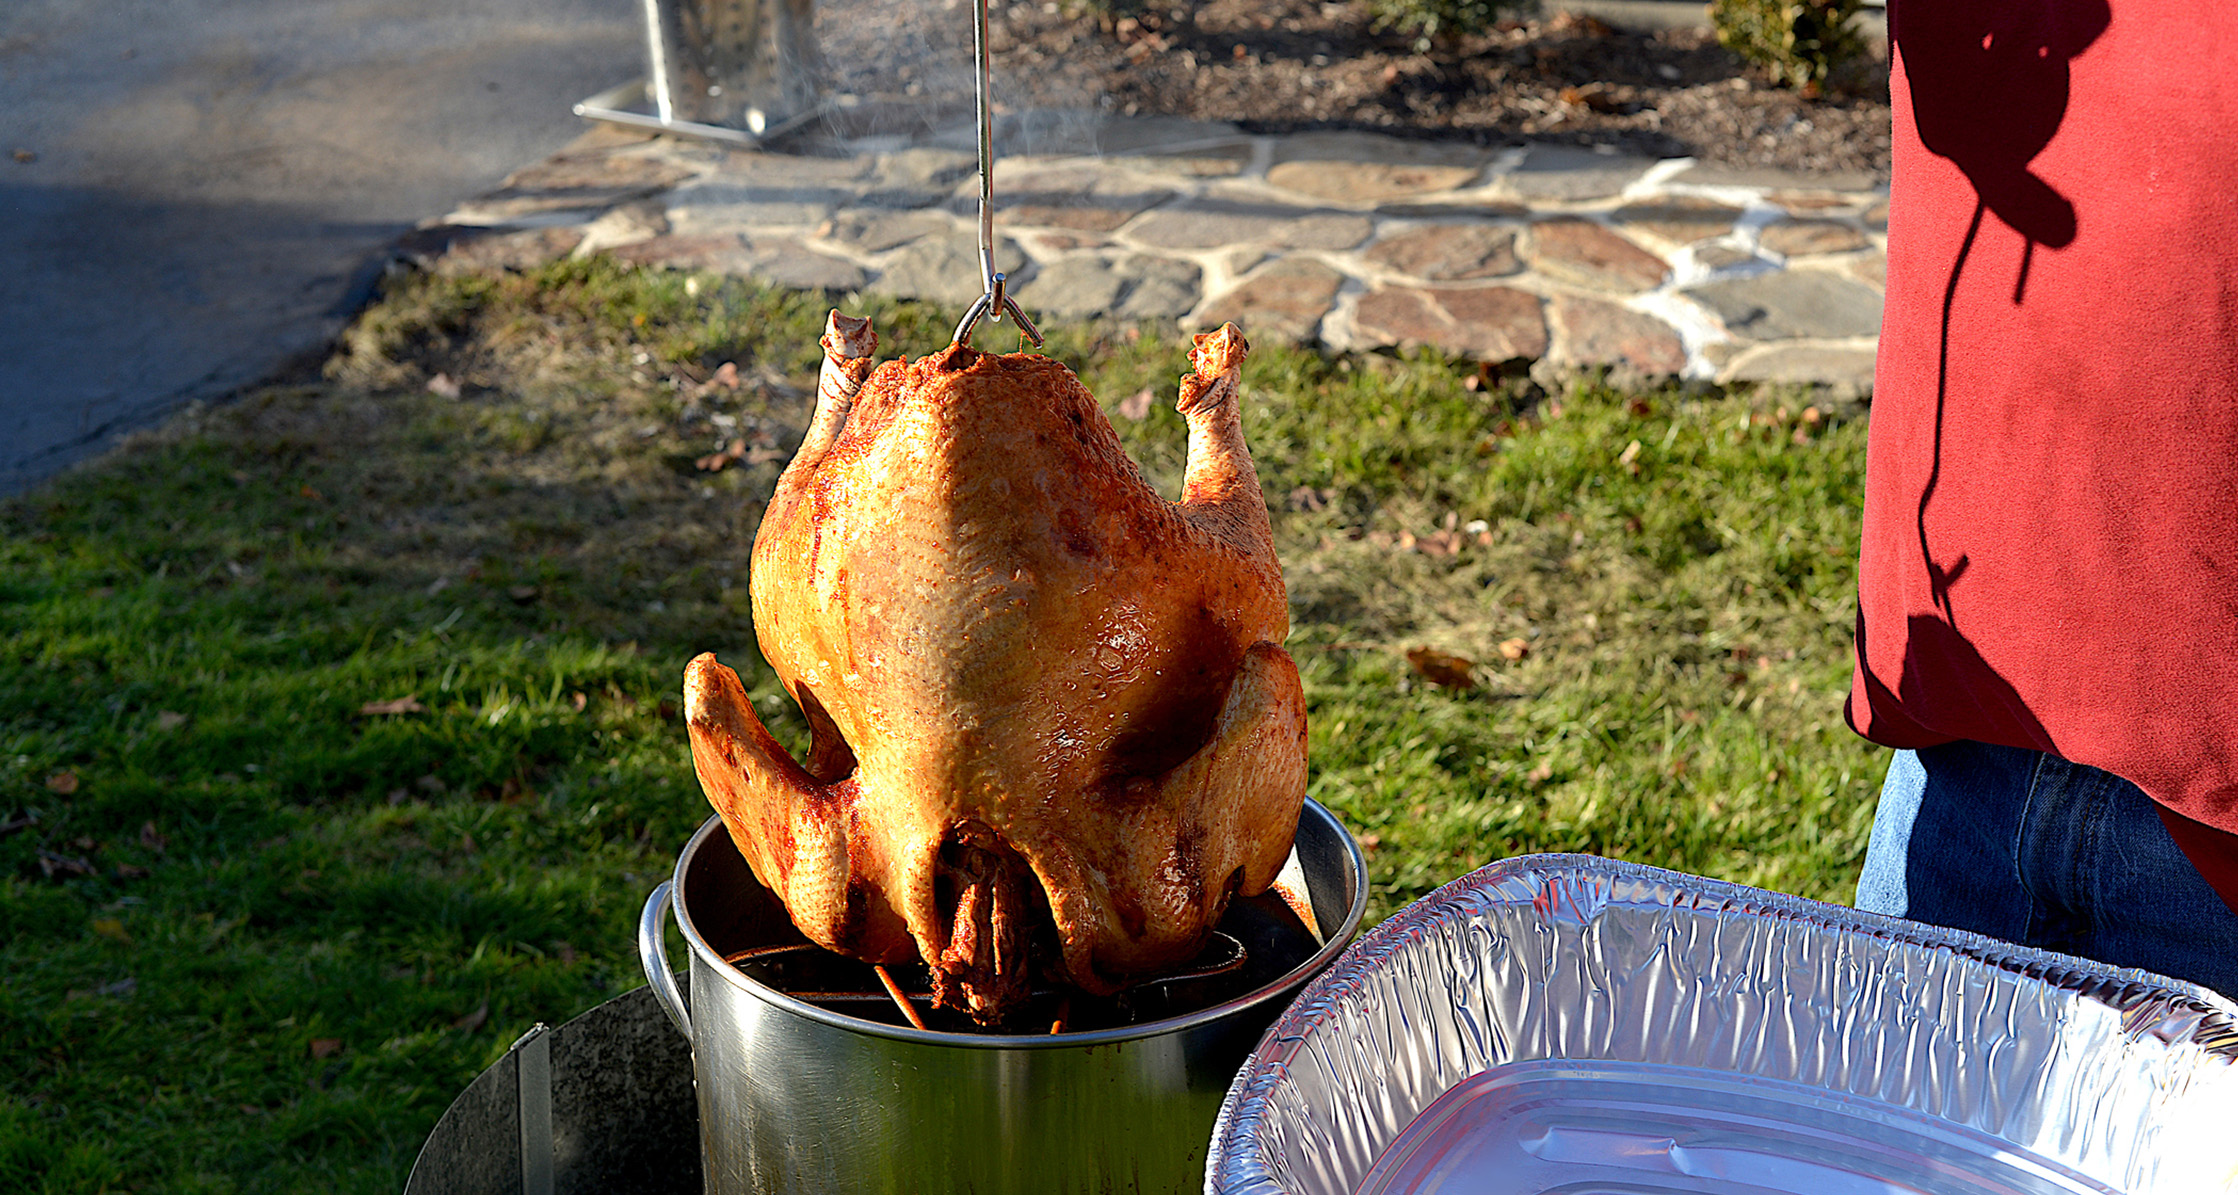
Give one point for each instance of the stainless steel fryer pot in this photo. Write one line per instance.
(798, 1098)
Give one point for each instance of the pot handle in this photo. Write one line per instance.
(652, 954)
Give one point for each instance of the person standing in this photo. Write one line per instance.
(2048, 589)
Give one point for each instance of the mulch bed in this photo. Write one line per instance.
(1285, 65)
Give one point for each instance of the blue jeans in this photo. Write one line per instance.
(2030, 848)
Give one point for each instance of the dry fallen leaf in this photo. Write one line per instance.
(1540, 774)
(1369, 843)
(473, 1020)
(110, 927)
(400, 705)
(325, 1047)
(443, 385)
(64, 782)
(1597, 96)
(52, 865)
(1442, 669)
(1514, 649)
(577, 700)
(722, 458)
(1136, 406)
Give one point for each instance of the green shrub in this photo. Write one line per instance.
(1435, 21)
(1802, 42)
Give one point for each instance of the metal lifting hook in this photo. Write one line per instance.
(995, 300)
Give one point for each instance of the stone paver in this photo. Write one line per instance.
(945, 268)
(1871, 270)
(714, 252)
(1080, 197)
(1572, 259)
(1678, 219)
(875, 230)
(1211, 227)
(1584, 253)
(1788, 304)
(573, 182)
(1798, 238)
(711, 205)
(1771, 181)
(787, 262)
(1365, 168)
(1285, 301)
(623, 225)
(1591, 332)
(1725, 258)
(1565, 173)
(1845, 369)
(1495, 323)
(917, 177)
(523, 250)
(1126, 287)
(1369, 182)
(1448, 253)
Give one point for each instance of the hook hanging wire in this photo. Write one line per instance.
(995, 299)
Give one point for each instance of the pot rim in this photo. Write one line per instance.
(1332, 944)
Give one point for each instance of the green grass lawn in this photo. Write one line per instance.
(254, 938)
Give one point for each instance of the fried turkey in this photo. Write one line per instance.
(1045, 703)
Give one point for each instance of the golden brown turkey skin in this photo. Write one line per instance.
(1034, 684)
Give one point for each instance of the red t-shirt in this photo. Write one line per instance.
(2051, 498)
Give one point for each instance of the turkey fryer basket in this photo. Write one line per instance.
(1566, 1022)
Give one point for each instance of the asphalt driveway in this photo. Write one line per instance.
(192, 192)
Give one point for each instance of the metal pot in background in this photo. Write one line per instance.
(734, 71)
(742, 64)
(797, 1098)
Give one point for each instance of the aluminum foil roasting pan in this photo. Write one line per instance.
(1598, 1026)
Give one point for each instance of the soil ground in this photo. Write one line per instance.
(1282, 65)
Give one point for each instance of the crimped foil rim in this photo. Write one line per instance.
(2150, 1005)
